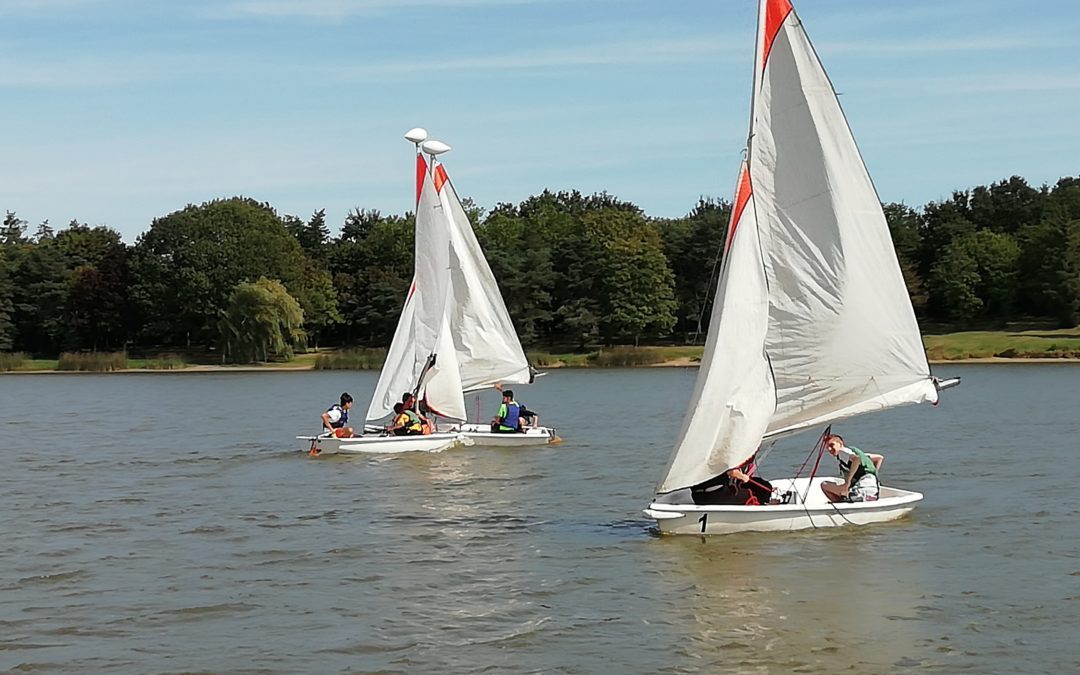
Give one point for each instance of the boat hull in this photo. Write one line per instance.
(480, 434)
(816, 512)
(372, 444)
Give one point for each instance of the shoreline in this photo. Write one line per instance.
(675, 363)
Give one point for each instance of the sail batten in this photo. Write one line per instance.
(835, 334)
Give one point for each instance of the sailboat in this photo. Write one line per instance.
(812, 322)
(454, 335)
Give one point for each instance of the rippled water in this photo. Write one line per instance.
(168, 523)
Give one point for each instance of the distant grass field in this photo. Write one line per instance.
(1062, 343)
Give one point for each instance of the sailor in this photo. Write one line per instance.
(739, 486)
(508, 420)
(408, 402)
(406, 422)
(858, 469)
(336, 418)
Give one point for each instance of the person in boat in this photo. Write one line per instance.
(509, 419)
(736, 486)
(529, 418)
(526, 418)
(413, 408)
(406, 422)
(336, 418)
(858, 469)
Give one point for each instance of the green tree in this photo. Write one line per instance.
(904, 226)
(942, 222)
(7, 309)
(520, 259)
(635, 284)
(694, 247)
(13, 231)
(1050, 267)
(372, 266)
(188, 263)
(1005, 206)
(261, 321)
(313, 236)
(40, 280)
(317, 297)
(977, 276)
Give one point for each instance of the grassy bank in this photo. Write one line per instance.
(1042, 344)
(1016, 346)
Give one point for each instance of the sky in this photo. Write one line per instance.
(116, 112)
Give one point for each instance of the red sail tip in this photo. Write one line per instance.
(742, 197)
(421, 169)
(775, 13)
(440, 177)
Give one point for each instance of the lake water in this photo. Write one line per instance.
(167, 523)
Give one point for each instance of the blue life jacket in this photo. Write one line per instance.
(344, 416)
(512, 418)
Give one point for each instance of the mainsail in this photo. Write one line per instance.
(812, 321)
(454, 334)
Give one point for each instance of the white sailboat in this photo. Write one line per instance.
(454, 335)
(812, 322)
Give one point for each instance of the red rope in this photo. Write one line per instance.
(820, 447)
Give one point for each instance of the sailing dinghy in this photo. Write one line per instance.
(812, 322)
(454, 335)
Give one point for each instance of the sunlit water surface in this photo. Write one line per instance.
(159, 523)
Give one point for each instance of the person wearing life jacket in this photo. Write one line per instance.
(405, 423)
(336, 418)
(409, 403)
(858, 469)
(508, 420)
(737, 486)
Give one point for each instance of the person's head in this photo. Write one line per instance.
(346, 400)
(508, 395)
(834, 443)
(398, 408)
(407, 398)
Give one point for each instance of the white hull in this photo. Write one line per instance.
(480, 434)
(324, 445)
(817, 512)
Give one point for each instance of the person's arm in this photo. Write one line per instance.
(738, 475)
(327, 424)
(877, 459)
(850, 475)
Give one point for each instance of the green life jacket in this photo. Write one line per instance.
(866, 465)
(414, 420)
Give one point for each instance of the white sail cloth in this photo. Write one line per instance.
(423, 316)
(454, 313)
(841, 336)
(487, 346)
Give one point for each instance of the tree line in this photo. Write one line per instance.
(233, 276)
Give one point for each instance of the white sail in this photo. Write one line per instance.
(454, 314)
(441, 389)
(734, 396)
(841, 336)
(487, 346)
(422, 318)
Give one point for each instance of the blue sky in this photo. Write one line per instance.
(119, 111)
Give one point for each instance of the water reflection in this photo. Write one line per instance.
(791, 601)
